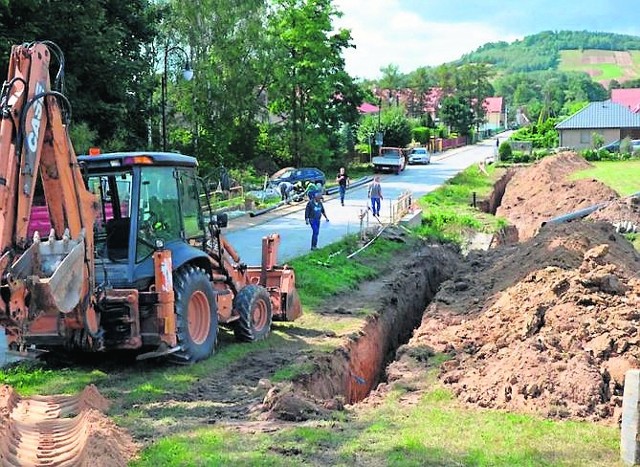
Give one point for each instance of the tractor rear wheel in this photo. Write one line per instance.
(254, 307)
(196, 314)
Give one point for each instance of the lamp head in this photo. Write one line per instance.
(187, 73)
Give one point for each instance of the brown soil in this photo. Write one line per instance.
(624, 212)
(548, 325)
(541, 192)
(61, 430)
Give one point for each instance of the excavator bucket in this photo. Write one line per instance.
(52, 271)
(293, 305)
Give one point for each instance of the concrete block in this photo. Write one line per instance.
(412, 219)
(629, 445)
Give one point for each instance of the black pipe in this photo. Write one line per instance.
(579, 214)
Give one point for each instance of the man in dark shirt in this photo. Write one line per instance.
(312, 215)
(343, 183)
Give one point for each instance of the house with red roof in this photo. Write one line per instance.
(630, 98)
(494, 106)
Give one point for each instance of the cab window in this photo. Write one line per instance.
(190, 205)
(158, 211)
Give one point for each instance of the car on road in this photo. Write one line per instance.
(389, 158)
(419, 156)
(302, 174)
(615, 145)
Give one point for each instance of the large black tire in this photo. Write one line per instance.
(196, 314)
(254, 307)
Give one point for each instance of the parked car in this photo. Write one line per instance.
(419, 156)
(293, 175)
(615, 145)
(390, 158)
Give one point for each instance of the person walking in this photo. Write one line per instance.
(343, 183)
(312, 215)
(375, 195)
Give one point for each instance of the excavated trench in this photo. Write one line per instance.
(357, 367)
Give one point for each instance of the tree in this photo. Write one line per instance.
(456, 113)
(220, 108)
(307, 81)
(465, 89)
(420, 81)
(108, 74)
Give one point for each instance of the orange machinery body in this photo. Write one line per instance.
(49, 296)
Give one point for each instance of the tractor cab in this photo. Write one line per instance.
(144, 201)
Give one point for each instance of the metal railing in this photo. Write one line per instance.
(400, 207)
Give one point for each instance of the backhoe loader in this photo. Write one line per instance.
(135, 258)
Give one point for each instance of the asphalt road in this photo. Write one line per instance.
(343, 220)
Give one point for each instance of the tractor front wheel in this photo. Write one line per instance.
(196, 314)
(254, 307)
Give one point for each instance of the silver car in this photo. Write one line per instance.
(419, 156)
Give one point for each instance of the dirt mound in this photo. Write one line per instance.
(541, 192)
(61, 430)
(624, 212)
(549, 327)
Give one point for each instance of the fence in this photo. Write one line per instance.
(400, 207)
(440, 144)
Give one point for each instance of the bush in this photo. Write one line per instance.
(421, 134)
(505, 152)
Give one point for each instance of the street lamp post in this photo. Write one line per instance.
(187, 74)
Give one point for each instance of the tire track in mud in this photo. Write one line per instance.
(60, 430)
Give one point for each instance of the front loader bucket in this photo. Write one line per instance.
(294, 305)
(53, 273)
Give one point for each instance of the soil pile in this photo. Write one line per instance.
(624, 213)
(549, 326)
(61, 430)
(541, 192)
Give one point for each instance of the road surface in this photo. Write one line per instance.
(344, 220)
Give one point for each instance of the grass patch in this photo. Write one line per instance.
(448, 213)
(574, 60)
(436, 431)
(328, 271)
(622, 176)
(291, 372)
(634, 238)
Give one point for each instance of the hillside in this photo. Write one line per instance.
(604, 56)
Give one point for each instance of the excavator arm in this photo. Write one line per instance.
(42, 281)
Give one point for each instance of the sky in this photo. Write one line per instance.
(415, 33)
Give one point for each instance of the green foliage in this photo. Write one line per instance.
(505, 152)
(108, 73)
(541, 51)
(306, 72)
(625, 146)
(541, 135)
(83, 137)
(456, 113)
(395, 127)
(421, 134)
(597, 140)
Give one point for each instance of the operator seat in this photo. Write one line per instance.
(118, 238)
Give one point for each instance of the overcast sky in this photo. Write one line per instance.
(414, 33)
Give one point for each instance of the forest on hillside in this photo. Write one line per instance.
(542, 51)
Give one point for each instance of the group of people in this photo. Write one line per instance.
(314, 211)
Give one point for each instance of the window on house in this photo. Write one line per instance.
(585, 137)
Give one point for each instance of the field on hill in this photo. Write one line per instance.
(602, 65)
